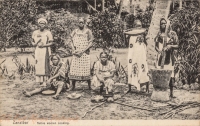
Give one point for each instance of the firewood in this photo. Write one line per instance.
(93, 108)
(135, 106)
(179, 108)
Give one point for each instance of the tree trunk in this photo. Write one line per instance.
(94, 9)
(115, 4)
(95, 4)
(103, 1)
(131, 2)
(120, 8)
(180, 6)
(173, 4)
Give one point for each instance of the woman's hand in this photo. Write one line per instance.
(159, 51)
(49, 81)
(168, 47)
(39, 41)
(105, 78)
(43, 85)
(41, 46)
(101, 78)
(78, 53)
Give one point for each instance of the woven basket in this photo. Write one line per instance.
(161, 78)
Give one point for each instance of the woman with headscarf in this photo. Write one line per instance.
(42, 40)
(82, 40)
(171, 44)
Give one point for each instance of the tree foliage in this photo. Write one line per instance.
(15, 20)
(144, 16)
(107, 29)
(186, 24)
(61, 24)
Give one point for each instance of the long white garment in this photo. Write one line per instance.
(169, 66)
(137, 63)
(42, 63)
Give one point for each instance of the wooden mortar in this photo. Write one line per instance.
(160, 80)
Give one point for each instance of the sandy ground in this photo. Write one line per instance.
(14, 105)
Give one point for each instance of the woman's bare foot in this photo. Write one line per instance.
(26, 93)
(55, 97)
(142, 91)
(129, 88)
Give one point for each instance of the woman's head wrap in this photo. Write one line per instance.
(81, 19)
(42, 20)
(168, 26)
(55, 55)
(137, 24)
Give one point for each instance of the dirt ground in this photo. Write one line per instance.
(14, 105)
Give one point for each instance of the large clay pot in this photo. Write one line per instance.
(160, 80)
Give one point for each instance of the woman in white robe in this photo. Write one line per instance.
(42, 40)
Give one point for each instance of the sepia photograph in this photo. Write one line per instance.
(86, 62)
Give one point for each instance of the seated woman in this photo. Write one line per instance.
(57, 78)
(103, 73)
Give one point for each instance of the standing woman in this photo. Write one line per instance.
(80, 66)
(171, 45)
(137, 61)
(42, 40)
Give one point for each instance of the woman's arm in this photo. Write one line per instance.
(71, 40)
(72, 44)
(89, 46)
(111, 75)
(35, 43)
(174, 46)
(157, 43)
(52, 78)
(90, 40)
(168, 47)
(174, 37)
(55, 76)
(49, 44)
(157, 47)
(49, 39)
(99, 76)
(112, 70)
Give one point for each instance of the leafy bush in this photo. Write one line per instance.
(107, 29)
(24, 70)
(185, 23)
(61, 24)
(144, 16)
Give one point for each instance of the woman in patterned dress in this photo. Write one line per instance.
(104, 73)
(57, 80)
(42, 40)
(80, 66)
(138, 71)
